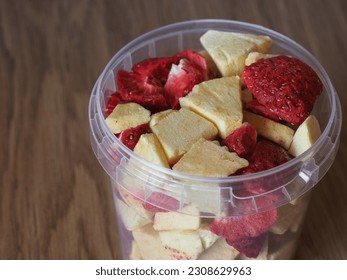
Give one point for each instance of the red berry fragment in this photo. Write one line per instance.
(182, 78)
(260, 109)
(197, 60)
(159, 202)
(242, 140)
(131, 136)
(285, 85)
(112, 102)
(266, 155)
(250, 247)
(144, 85)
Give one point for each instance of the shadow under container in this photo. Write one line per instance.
(164, 214)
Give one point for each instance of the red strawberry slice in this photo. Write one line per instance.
(159, 202)
(260, 109)
(144, 85)
(266, 155)
(242, 140)
(182, 78)
(243, 227)
(131, 136)
(250, 247)
(285, 85)
(198, 62)
(112, 102)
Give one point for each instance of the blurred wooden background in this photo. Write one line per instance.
(55, 199)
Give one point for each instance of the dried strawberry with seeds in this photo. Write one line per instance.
(112, 102)
(181, 80)
(159, 202)
(242, 140)
(240, 227)
(144, 84)
(250, 247)
(285, 85)
(260, 109)
(131, 136)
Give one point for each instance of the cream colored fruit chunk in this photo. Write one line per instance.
(150, 149)
(182, 244)
(208, 238)
(210, 63)
(220, 250)
(255, 56)
(206, 158)
(179, 130)
(189, 219)
(155, 118)
(149, 244)
(274, 131)
(219, 101)
(305, 136)
(135, 253)
(229, 50)
(126, 116)
(131, 219)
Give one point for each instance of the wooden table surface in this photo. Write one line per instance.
(55, 199)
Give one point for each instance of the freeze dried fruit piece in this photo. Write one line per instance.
(188, 219)
(242, 140)
(149, 244)
(219, 101)
(250, 246)
(220, 250)
(229, 50)
(159, 202)
(286, 85)
(305, 136)
(206, 158)
(265, 156)
(149, 148)
(131, 136)
(197, 60)
(239, 228)
(256, 107)
(144, 84)
(181, 244)
(127, 115)
(274, 131)
(208, 238)
(255, 56)
(112, 102)
(182, 78)
(130, 217)
(179, 130)
(213, 69)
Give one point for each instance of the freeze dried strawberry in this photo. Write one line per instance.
(182, 78)
(285, 85)
(260, 109)
(198, 62)
(242, 140)
(266, 155)
(242, 227)
(112, 102)
(131, 136)
(159, 202)
(250, 247)
(144, 85)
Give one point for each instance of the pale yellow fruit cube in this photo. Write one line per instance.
(274, 131)
(179, 130)
(255, 56)
(219, 101)
(305, 136)
(229, 50)
(128, 115)
(220, 250)
(206, 158)
(150, 149)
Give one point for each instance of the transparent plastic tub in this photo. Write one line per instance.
(186, 235)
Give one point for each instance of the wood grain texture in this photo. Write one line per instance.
(55, 199)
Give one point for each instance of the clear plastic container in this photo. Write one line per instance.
(184, 233)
